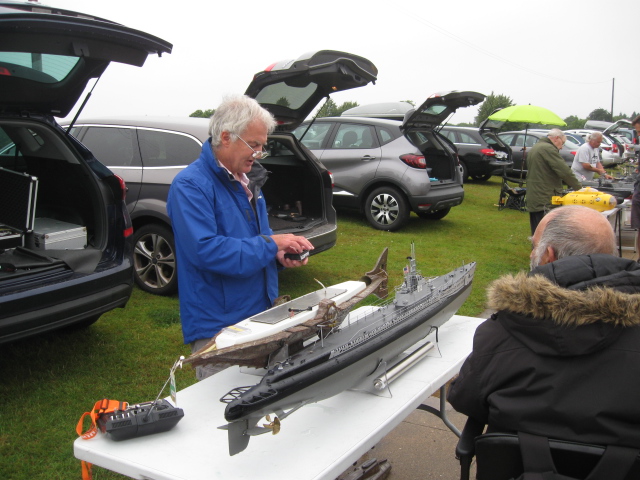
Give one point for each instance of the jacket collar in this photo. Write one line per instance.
(573, 291)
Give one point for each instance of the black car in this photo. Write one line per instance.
(65, 248)
(387, 168)
(148, 152)
(480, 151)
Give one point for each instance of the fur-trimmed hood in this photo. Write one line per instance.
(598, 293)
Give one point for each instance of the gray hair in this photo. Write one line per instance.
(556, 132)
(595, 136)
(576, 230)
(234, 115)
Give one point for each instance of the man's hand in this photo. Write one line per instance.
(289, 243)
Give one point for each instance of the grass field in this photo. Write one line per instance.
(49, 381)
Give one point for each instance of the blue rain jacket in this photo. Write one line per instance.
(227, 270)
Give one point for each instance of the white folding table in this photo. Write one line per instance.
(319, 441)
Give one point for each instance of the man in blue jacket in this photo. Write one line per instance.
(227, 255)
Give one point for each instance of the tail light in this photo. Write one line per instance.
(614, 148)
(123, 187)
(128, 228)
(5, 71)
(573, 152)
(415, 161)
(488, 151)
(607, 148)
(331, 177)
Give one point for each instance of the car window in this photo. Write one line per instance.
(314, 137)
(492, 139)
(572, 145)
(450, 135)
(386, 135)
(286, 95)
(426, 140)
(350, 135)
(113, 146)
(167, 149)
(529, 141)
(466, 138)
(507, 138)
(45, 69)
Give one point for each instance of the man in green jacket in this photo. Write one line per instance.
(546, 172)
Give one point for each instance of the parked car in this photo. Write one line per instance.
(148, 153)
(624, 131)
(610, 148)
(481, 152)
(575, 138)
(525, 139)
(389, 168)
(65, 255)
(628, 151)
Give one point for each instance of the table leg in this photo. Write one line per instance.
(442, 413)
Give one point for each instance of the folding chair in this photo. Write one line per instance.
(512, 194)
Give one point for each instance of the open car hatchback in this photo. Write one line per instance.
(65, 234)
(388, 160)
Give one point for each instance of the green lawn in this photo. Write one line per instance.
(49, 381)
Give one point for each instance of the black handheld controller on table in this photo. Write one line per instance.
(141, 419)
(297, 256)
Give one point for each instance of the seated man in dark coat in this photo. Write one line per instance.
(561, 357)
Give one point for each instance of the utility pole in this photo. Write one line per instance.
(613, 85)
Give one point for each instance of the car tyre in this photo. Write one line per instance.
(154, 260)
(481, 177)
(386, 209)
(465, 172)
(437, 215)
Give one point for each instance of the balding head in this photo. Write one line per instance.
(571, 230)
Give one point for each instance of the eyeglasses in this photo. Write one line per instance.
(257, 154)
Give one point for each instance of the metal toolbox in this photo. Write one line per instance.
(50, 234)
(18, 192)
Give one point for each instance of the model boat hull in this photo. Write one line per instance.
(347, 352)
(282, 389)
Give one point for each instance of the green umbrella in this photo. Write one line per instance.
(527, 114)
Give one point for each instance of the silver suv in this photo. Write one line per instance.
(388, 168)
(148, 153)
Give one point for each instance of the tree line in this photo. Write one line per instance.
(490, 104)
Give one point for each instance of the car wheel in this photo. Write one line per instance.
(386, 209)
(465, 172)
(437, 215)
(481, 177)
(154, 260)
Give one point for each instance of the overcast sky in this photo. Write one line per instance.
(561, 54)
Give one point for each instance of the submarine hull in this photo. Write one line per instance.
(343, 360)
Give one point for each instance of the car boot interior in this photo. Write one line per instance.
(438, 159)
(65, 195)
(293, 192)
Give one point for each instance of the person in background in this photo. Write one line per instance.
(560, 357)
(546, 170)
(635, 199)
(227, 255)
(587, 162)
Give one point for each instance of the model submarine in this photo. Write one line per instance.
(587, 197)
(346, 352)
